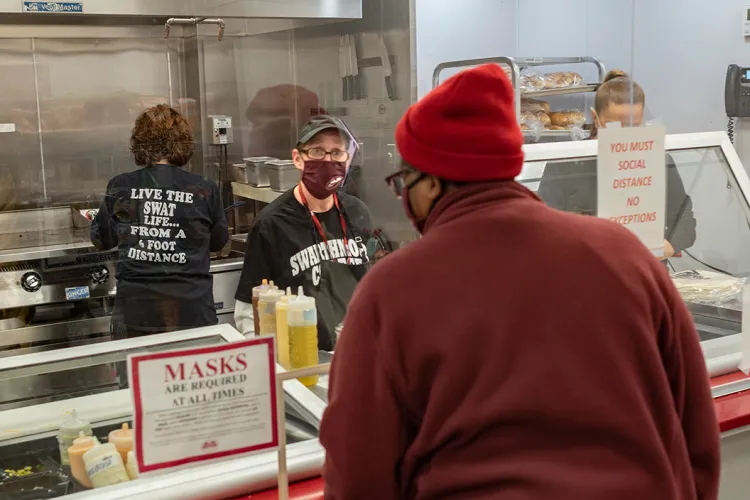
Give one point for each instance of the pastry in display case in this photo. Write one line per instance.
(536, 82)
(707, 223)
(40, 458)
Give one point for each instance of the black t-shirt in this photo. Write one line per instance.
(165, 222)
(285, 246)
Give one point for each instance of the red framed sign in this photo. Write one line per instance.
(203, 404)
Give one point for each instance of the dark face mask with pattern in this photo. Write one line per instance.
(322, 178)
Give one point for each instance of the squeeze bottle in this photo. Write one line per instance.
(104, 465)
(69, 431)
(302, 318)
(131, 466)
(81, 445)
(123, 440)
(267, 310)
(256, 295)
(282, 330)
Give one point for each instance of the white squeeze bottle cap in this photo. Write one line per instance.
(271, 295)
(301, 310)
(263, 286)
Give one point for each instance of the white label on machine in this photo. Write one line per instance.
(77, 293)
(632, 182)
(7, 128)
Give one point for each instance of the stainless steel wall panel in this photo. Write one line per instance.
(21, 177)
(90, 93)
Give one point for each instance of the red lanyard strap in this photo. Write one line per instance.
(319, 226)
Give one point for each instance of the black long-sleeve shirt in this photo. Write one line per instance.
(572, 187)
(165, 222)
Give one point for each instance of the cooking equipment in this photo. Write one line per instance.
(282, 174)
(57, 290)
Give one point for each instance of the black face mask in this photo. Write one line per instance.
(322, 178)
(418, 222)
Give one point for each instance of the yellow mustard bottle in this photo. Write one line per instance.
(282, 330)
(302, 318)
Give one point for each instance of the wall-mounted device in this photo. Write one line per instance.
(221, 126)
(737, 95)
(746, 21)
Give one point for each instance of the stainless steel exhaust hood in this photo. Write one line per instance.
(327, 9)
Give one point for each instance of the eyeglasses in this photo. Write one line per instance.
(320, 154)
(397, 184)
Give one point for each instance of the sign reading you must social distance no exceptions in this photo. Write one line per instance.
(204, 403)
(631, 182)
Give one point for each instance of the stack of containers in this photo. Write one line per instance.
(256, 172)
(282, 175)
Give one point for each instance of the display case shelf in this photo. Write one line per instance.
(513, 67)
(580, 89)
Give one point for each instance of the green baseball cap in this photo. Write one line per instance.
(319, 123)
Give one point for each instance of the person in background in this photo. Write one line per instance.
(312, 235)
(572, 187)
(165, 222)
(514, 351)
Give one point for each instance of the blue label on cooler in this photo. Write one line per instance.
(77, 293)
(57, 7)
(218, 305)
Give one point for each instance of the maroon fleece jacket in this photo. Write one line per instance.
(518, 352)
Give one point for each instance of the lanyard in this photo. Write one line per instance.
(319, 226)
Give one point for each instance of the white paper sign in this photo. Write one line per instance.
(745, 362)
(632, 185)
(204, 403)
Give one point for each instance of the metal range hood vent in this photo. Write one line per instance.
(272, 9)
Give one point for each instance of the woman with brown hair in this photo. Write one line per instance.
(572, 187)
(164, 221)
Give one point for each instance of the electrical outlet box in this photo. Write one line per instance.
(222, 132)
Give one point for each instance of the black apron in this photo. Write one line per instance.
(336, 285)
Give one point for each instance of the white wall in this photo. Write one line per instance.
(678, 50)
(450, 30)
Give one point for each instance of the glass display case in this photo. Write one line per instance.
(39, 391)
(707, 223)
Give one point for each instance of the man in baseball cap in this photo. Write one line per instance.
(313, 235)
(514, 351)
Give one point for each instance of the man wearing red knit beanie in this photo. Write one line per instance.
(515, 351)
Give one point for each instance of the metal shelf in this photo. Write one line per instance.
(580, 89)
(514, 65)
(265, 195)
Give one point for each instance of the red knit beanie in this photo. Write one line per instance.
(465, 130)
